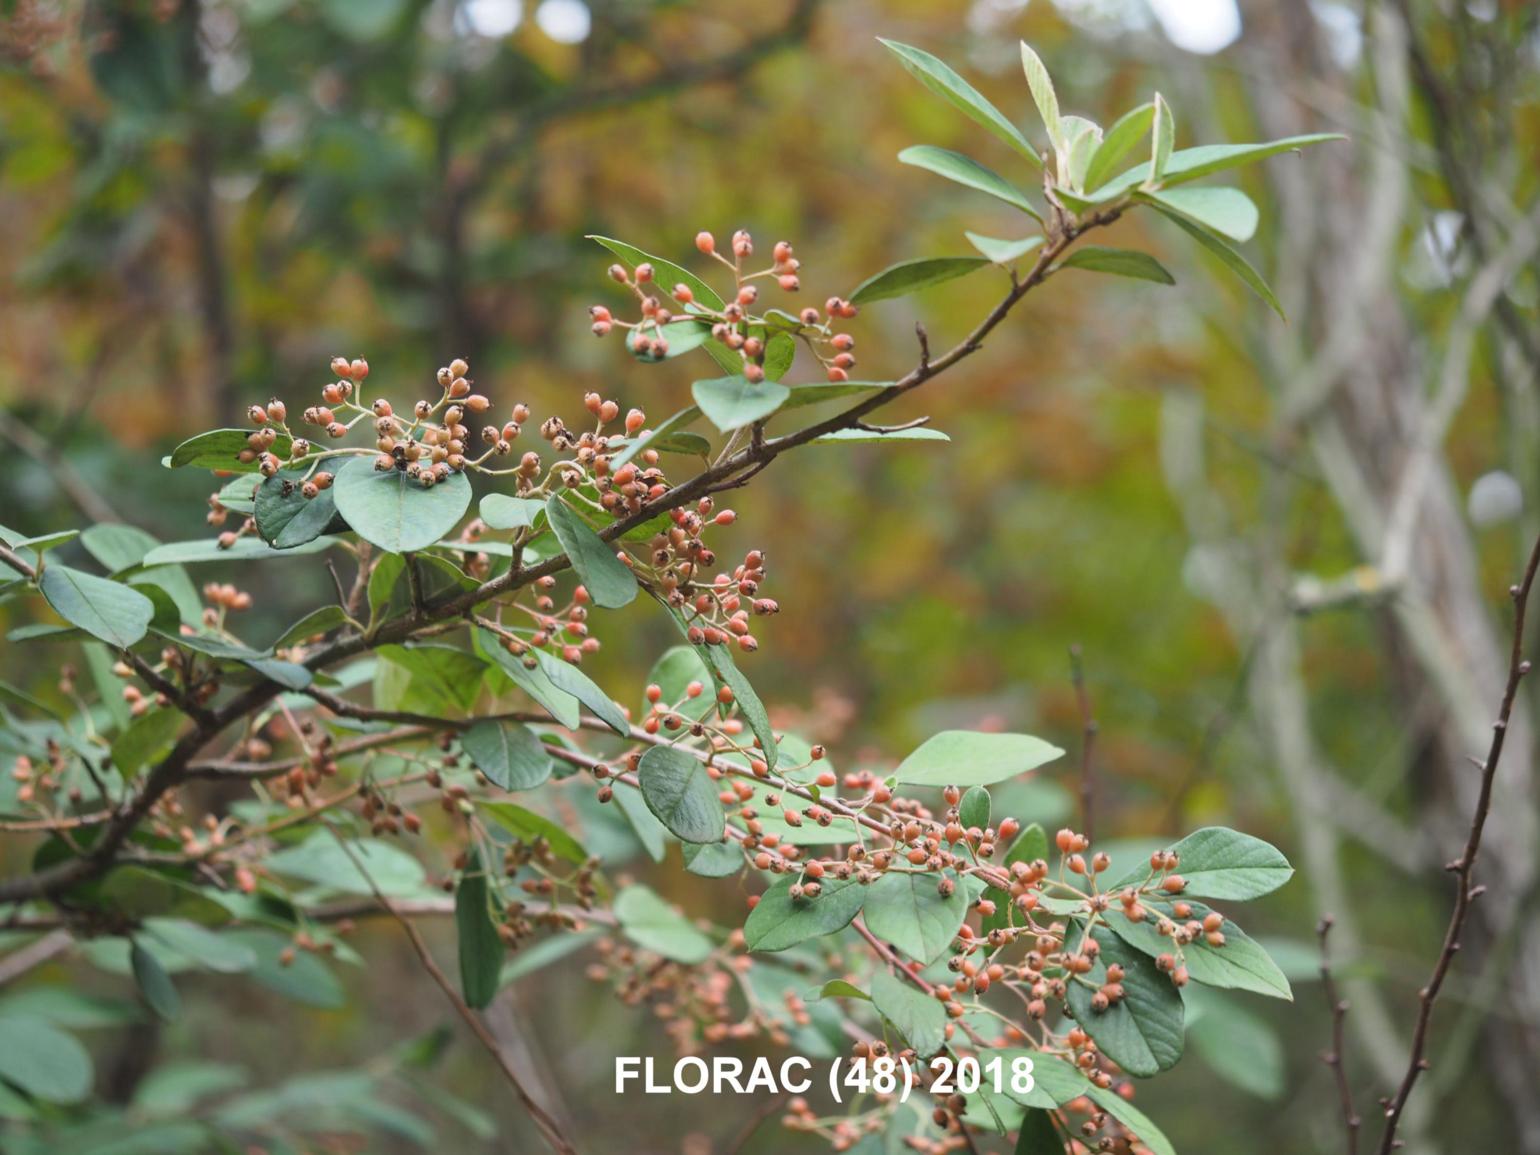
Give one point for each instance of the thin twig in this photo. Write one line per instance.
(1088, 731)
(1464, 866)
(1336, 1057)
(34, 954)
(547, 1125)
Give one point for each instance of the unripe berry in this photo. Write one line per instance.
(705, 242)
(643, 273)
(341, 366)
(789, 282)
(618, 273)
(753, 373)
(635, 419)
(359, 369)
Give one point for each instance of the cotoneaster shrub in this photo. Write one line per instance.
(895, 912)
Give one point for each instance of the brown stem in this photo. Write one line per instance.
(1464, 866)
(1336, 1057)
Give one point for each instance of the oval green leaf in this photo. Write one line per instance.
(395, 513)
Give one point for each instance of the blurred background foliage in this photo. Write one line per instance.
(202, 202)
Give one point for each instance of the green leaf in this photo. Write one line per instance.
(780, 921)
(200, 945)
(939, 77)
(818, 392)
(665, 273)
(362, 20)
(154, 984)
(1043, 96)
(117, 547)
(103, 608)
(508, 753)
(318, 621)
(918, 433)
(1163, 139)
(678, 790)
(969, 173)
(480, 948)
(713, 859)
(221, 449)
(974, 809)
(529, 826)
(304, 978)
(658, 437)
(565, 676)
(1226, 211)
(969, 758)
(1189, 164)
(1030, 845)
(147, 739)
(321, 861)
(609, 580)
(1119, 262)
(909, 911)
(1142, 1032)
(911, 276)
(244, 549)
(443, 679)
(1002, 252)
(732, 402)
(1056, 1081)
(561, 705)
(1038, 1136)
(1236, 1045)
(285, 516)
(1084, 138)
(650, 833)
(43, 1061)
(725, 672)
(1240, 964)
(1131, 1117)
(682, 337)
(654, 925)
(840, 989)
(1116, 144)
(500, 511)
(780, 352)
(1218, 862)
(917, 1016)
(675, 669)
(392, 511)
(1236, 263)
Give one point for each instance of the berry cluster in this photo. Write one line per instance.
(732, 318)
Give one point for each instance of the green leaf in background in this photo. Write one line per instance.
(221, 449)
(362, 20)
(974, 809)
(285, 516)
(1002, 252)
(154, 984)
(502, 512)
(43, 1061)
(911, 276)
(321, 861)
(569, 678)
(654, 925)
(940, 78)
(969, 173)
(917, 1016)
(508, 753)
(732, 402)
(1131, 1117)
(1142, 1032)
(392, 511)
(609, 580)
(680, 792)
(1236, 1045)
(245, 549)
(971, 758)
(1119, 262)
(713, 859)
(147, 739)
(658, 436)
(780, 921)
(1218, 862)
(673, 672)
(480, 948)
(304, 978)
(117, 547)
(651, 834)
(1030, 845)
(1163, 140)
(529, 826)
(1240, 964)
(444, 679)
(103, 608)
(200, 945)
(1189, 164)
(1043, 95)
(909, 911)
(1118, 142)
(665, 273)
(317, 621)
(1226, 253)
